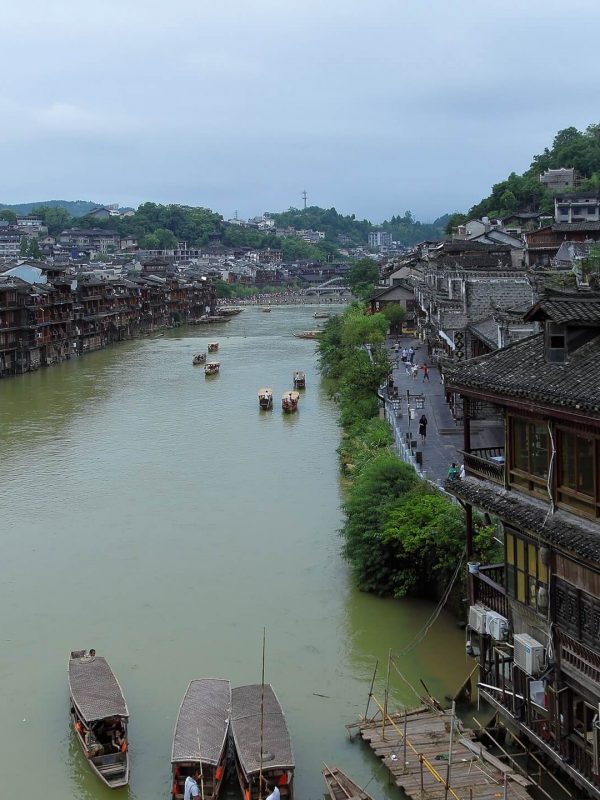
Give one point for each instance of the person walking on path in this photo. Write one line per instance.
(425, 369)
(411, 354)
(423, 428)
(404, 354)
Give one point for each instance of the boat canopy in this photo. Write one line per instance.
(246, 723)
(262, 392)
(94, 689)
(203, 715)
(291, 396)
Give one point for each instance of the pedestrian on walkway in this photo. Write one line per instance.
(423, 428)
(453, 472)
(404, 354)
(408, 368)
(415, 372)
(425, 369)
(411, 354)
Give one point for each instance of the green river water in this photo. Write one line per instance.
(160, 517)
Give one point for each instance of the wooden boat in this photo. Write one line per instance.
(99, 717)
(341, 787)
(265, 399)
(213, 347)
(321, 315)
(200, 736)
(229, 311)
(299, 380)
(247, 721)
(308, 334)
(289, 402)
(212, 368)
(266, 310)
(199, 358)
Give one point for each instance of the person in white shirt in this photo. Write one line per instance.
(191, 785)
(275, 794)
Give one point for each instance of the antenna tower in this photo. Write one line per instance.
(304, 196)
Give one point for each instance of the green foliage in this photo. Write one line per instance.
(408, 231)
(8, 215)
(55, 218)
(394, 313)
(23, 246)
(570, 148)
(372, 493)
(330, 350)
(33, 249)
(362, 277)
(362, 442)
(360, 328)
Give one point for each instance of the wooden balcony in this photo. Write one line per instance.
(485, 462)
(579, 657)
(488, 588)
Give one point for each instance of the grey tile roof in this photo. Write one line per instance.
(521, 371)
(95, 690)
(574, 227)
(561, 530)
(245, 721)
(202, 722)
(564, 310)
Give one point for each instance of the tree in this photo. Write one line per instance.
(454, 221)
(166, 239)
(150, 242)
(55, 218)
(34, 251)
(395, 315)
(362, 277)
(23, 246)
(8, 215)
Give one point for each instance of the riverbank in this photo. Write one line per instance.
(402, 536)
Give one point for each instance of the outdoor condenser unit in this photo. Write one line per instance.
(529, 653)
(497, 626)
(477, 615)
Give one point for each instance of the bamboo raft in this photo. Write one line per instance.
(415, 747)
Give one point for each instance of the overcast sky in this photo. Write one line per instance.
(374, 107)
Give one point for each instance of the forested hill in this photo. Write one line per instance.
(76, 208)
(404, 229)
(570, 148)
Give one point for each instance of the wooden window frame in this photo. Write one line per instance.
(519, 478)
(521, 574)
(571, 499)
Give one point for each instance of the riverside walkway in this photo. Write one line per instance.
(417, 396)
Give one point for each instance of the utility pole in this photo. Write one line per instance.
(304, 196)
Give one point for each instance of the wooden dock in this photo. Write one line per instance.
(416, 749)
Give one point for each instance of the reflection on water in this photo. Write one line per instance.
(162, 519)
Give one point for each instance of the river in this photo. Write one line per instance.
(161, 518)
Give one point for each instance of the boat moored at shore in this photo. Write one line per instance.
(212, 368)
(99, 717)
(289, 402)
(200, 737)
(321, 315)
(265, 399)
(257, 718)
(307, 334)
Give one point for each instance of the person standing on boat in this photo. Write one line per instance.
(191, 785)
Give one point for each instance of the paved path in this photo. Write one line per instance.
(444, 436)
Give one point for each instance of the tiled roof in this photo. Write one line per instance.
(574, 227)
(567, 310)
(522, 371)
(562, 530)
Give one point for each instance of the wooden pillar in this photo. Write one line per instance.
(466, 424)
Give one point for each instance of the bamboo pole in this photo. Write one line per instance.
(371, 689)
(262, 720)
(404, 743)
(449, 772)
(387, 690)
(201, 767)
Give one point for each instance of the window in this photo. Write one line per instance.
(525, 572)
(529, 455)
(577, 480)
(556, 343)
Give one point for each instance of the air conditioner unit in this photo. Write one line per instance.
(529, 653)
(477, 615)
(497, 626)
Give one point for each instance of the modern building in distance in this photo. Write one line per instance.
(379, 239)
(577, 207)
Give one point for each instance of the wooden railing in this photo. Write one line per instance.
(578, 656)
(488, 588)
(478, 462)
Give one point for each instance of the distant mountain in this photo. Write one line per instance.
(76, 208)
